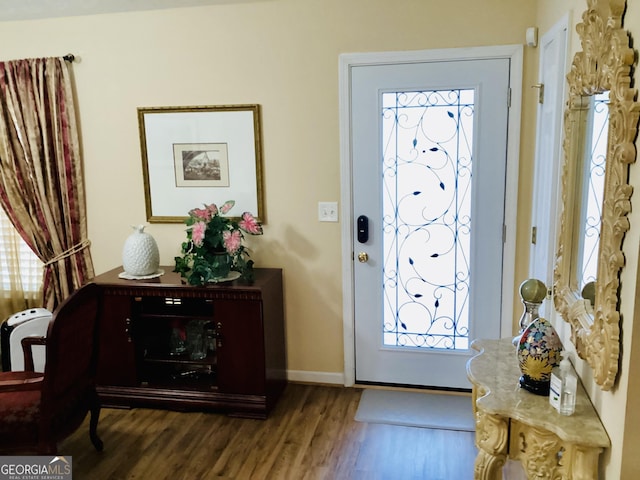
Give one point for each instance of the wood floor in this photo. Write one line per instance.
(310, 434)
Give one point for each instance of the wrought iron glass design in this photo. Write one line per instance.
(593, 182)
(426, 178)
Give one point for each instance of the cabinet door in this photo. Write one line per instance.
(240, 346)
(116, 360)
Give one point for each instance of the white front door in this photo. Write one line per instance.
(429, 150)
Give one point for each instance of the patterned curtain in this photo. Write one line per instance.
(41, 175)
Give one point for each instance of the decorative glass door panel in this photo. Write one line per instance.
(427, 169)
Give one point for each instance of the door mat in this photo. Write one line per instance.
(415, 409)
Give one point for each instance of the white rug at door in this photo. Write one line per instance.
(415, 409)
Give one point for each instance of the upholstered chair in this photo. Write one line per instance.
(37, 410)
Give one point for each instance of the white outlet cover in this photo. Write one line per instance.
(328, 211)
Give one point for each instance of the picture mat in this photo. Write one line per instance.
(235, 128)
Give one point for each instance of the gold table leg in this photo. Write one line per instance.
(492, 435)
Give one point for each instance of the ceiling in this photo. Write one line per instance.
(32, 9)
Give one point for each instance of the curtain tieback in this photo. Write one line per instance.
(67, 253)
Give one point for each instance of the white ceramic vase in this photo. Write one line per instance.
(140, 255)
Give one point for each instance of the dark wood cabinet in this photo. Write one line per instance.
(170, 345)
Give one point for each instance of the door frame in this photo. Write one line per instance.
(349, 60)
(542, 164)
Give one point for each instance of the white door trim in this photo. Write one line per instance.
(547, 209)
(349, 60)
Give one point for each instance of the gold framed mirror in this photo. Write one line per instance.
(603, 65)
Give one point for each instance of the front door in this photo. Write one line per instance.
(429, 149)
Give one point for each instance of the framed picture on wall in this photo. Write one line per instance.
(195, 156)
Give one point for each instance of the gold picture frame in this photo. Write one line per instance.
(195, 156)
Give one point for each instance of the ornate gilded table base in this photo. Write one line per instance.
(512, 423)
(492, 437)
(545, 455)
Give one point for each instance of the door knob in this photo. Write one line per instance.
(363, 257)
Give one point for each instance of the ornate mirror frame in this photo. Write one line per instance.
(604, 64)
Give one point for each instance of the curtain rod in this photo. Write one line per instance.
(69, 57)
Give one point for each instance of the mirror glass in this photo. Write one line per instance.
(601, 124)
(592, 187)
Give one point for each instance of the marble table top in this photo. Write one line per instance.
(495, 369)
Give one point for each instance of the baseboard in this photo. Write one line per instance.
(304, 376)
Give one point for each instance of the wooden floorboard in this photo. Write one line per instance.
(311, 434)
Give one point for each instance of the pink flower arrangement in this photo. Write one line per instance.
(214, 244)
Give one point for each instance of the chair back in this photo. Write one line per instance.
(71, 357)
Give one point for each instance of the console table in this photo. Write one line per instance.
(514, 423)
(143, 360)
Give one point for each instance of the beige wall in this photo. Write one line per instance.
(283, 55)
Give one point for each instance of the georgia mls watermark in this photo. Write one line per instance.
(35, 468)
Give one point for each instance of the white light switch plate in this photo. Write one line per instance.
(328, 211)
